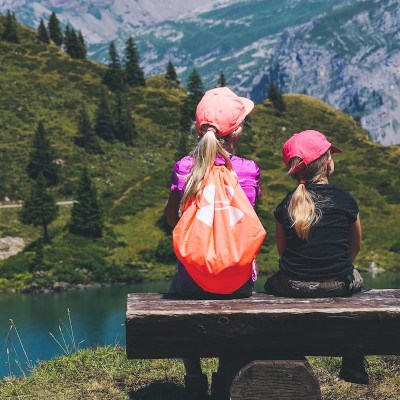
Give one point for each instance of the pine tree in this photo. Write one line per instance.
(182, 149)
(86, 137)
(81, 52)
(125, 129)
(86, 218)
(134, 74)
(280, 104)
(195, 93)
(68, 40)
(170, 74)
(104, 121)
(39, 209)
(272, 92)
(67, 37)
(38, 259)
(221, 80)
(41, 161)
(195, 86)
(54, 29)
(74, 43)
(10, 33)
(43, 35)
(276, 98)
(114, 77)
(6, 180)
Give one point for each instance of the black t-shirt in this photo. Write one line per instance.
(326, 253)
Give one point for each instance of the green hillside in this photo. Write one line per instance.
(40, 82)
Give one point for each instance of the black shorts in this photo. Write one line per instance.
(279, 284)
(190, 290)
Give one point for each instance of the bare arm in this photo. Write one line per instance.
(171, 210)
(280, 237)
(355, 238)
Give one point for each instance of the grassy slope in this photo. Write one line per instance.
(41, 82)
(105, 373)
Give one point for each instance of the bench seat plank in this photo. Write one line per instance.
(158, 326)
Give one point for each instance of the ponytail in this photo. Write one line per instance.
(207, 149)
(303, 210)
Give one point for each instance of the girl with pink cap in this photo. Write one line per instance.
(318, 233)
(219, 118)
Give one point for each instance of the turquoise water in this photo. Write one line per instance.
(97, 317)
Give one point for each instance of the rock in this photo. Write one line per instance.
(4, 246)
(60, 286)
(10, 246)
(373, 264)
(95, 285)
(80, 286)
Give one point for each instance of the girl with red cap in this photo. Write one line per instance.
(219, 118)
(318, 233)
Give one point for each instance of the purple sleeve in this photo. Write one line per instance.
(248, 173)
(253, 179)
(180, 171)
(257, 180)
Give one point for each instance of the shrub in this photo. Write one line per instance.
(12, 266)
(164, 251)
(395, 247)
(70, 274)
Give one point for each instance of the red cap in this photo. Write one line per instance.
(308, 145)
(223, 109)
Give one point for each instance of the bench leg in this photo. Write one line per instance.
(275, 380)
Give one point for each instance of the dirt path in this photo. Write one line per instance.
(19, 204)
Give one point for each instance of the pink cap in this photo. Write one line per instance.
(223, 109)
(308, 145)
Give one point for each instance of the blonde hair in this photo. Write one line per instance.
(208, 148)
(304, 210)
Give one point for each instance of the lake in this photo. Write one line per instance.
(97, 317)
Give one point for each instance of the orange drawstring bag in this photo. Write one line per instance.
(219, 234)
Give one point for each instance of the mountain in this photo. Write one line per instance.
(102, 21)
(349, 58)
(345, 52)
(39, 82)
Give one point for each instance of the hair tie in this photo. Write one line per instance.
(302, 182)
(211, 129)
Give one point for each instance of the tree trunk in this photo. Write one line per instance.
(46, 238)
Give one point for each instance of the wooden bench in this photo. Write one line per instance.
(268, 328)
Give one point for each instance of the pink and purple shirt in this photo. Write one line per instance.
(248, 173)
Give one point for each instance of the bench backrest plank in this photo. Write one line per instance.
(162, 327)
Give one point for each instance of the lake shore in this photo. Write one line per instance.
(389, 278)
(105, 373)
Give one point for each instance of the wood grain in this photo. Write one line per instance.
(276, 380)
(158, 326)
